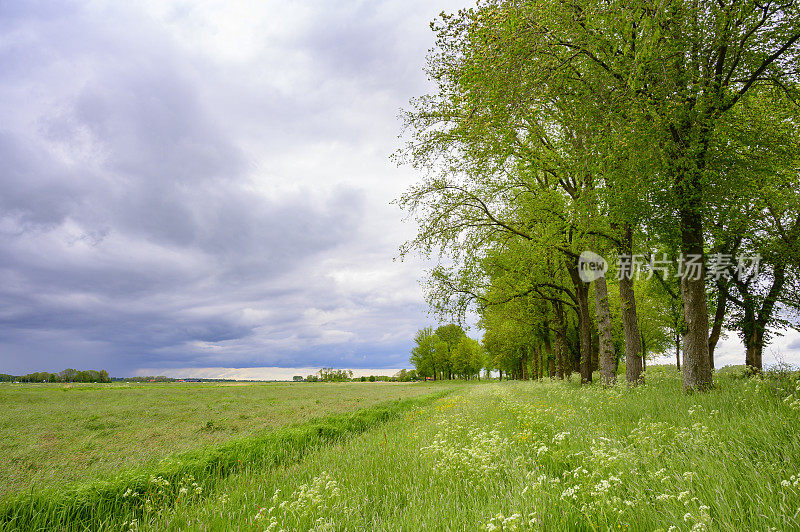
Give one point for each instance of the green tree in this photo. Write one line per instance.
(423, 353)
(450, 336)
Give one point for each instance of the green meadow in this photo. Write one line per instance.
(60, 434)
(512, 455)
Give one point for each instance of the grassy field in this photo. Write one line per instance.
(497, 456)
(537, 456)
(57, 434)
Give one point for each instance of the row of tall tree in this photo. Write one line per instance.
(632, 129)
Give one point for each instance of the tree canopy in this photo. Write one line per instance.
(660, 137)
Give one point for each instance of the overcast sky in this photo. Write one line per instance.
(207, 184)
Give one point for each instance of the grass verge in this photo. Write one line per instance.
(107, 504)
(536, 456)
(54, 435)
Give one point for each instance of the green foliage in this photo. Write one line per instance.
(558, 129)
(446, 353)
(468, 358)
(422, 355)
(334, 375)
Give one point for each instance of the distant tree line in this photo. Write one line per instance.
(346, 375)
(148, 378)
(162, 378)
(68, 375)
(403, 376)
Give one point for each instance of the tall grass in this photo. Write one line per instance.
(497, 456)
(536, 456)
(192, 475)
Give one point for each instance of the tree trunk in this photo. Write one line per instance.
(630, 321)
(584, 323)
(546, 363)
(755, 347)
(606, 355)
(633, 349)
(585, 335)
(644, 351)
(719, 318)
(560, 341)
(696, 366)
(754, 337)
(524, 364)
(558, 346)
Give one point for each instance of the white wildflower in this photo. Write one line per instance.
(541, 450)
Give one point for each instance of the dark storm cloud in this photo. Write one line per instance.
(165, 205)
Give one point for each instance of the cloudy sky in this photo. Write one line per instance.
(201, 184)
(206, 184)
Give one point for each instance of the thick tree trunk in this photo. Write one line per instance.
(606, 355)
(584, 323)
(630, 325)
(630, 320)
(754, 349)
(696, 366)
